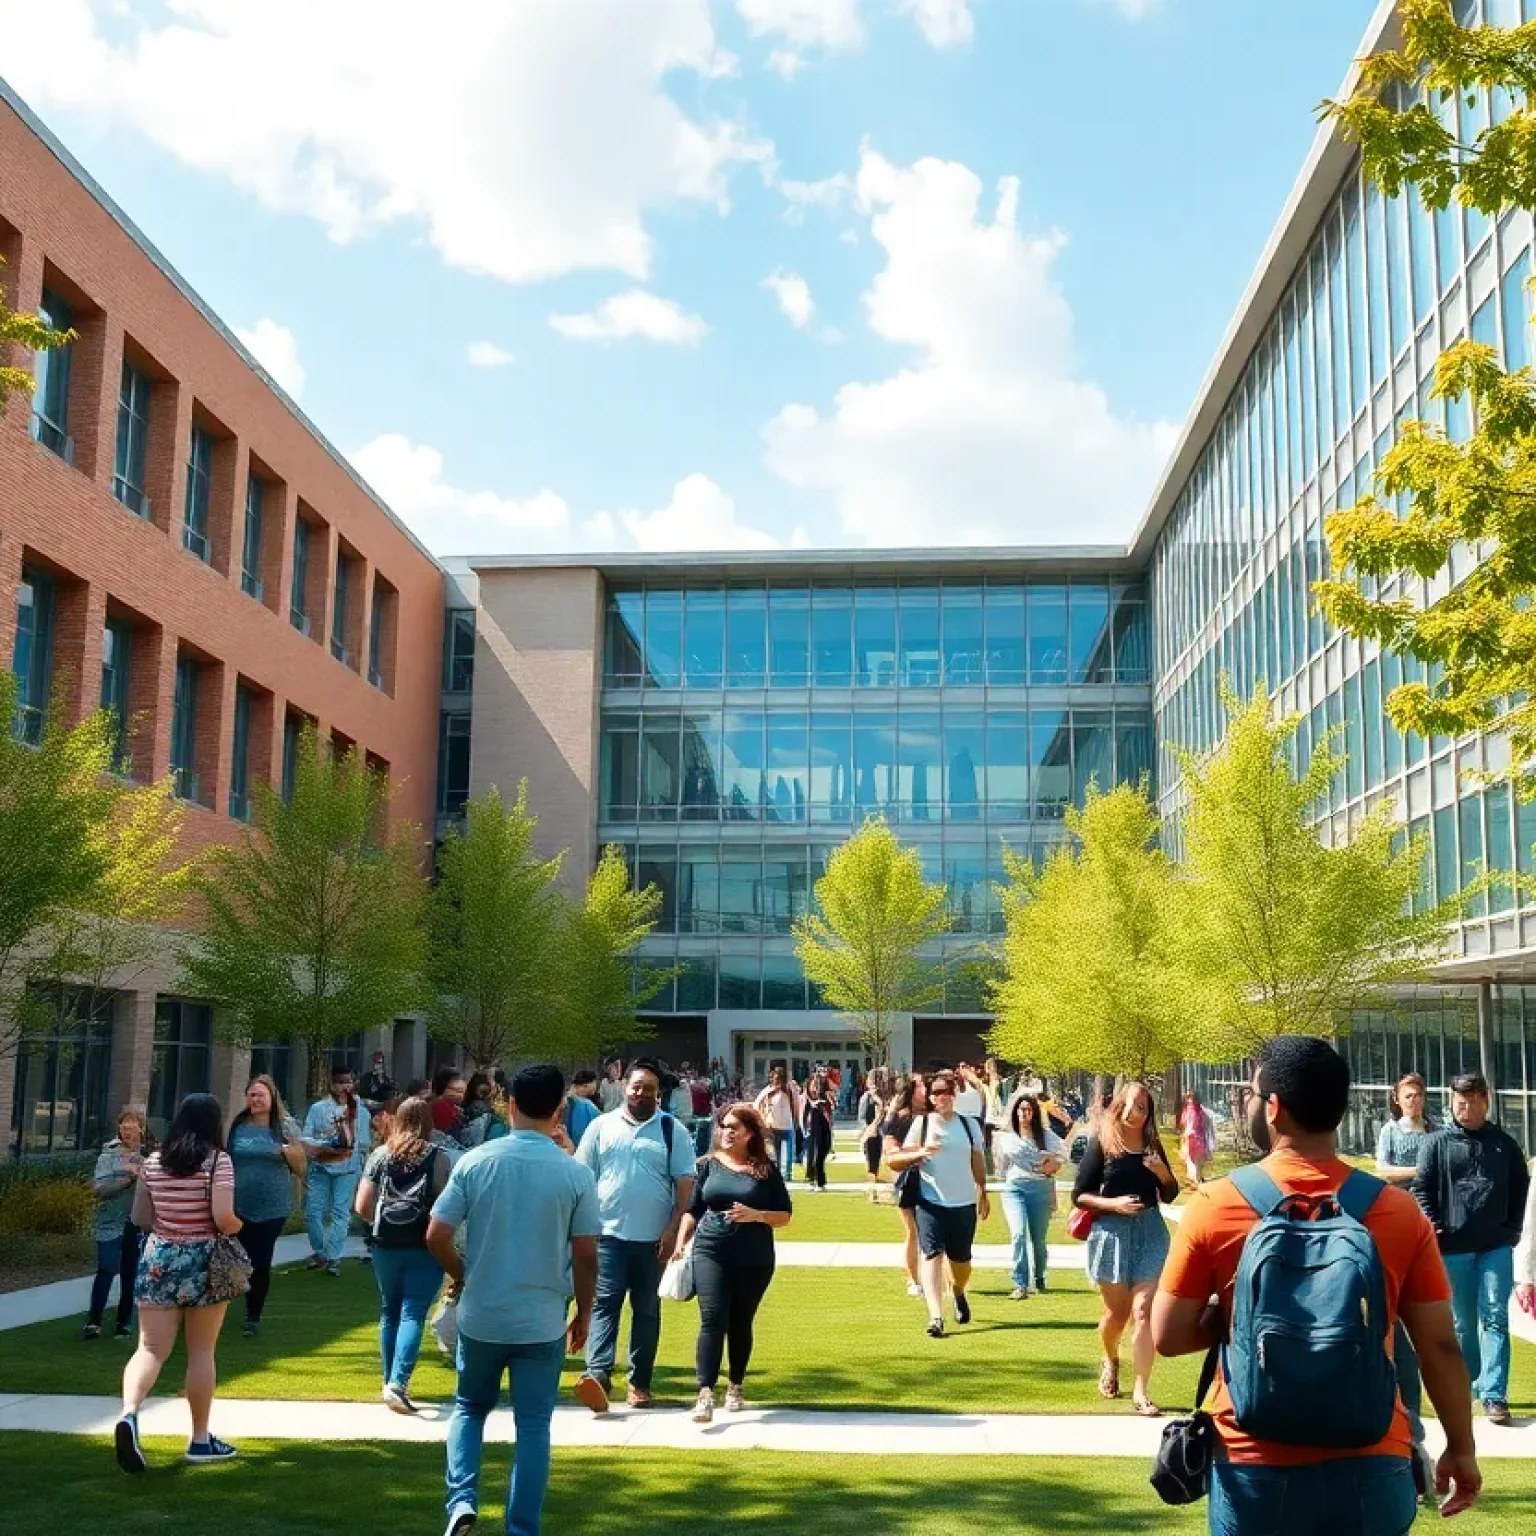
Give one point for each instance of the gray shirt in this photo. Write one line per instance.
(1398, 1144)
(520, 1201)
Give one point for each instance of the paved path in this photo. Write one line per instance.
(768, 1429)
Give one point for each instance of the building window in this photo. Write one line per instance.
(453, 762)
(339, 610)
(298, 610)
(62, 1076)
(459, 651)
(32, 660)
(275, 1059)
(194, 533)
(183, 1046)
(250, 549)
(132, 440)
(50, 400)
(376, 638)
(184, 730)
(291, 727)
(240, 759)
(116, 651)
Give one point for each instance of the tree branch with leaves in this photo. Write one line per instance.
(23, 330)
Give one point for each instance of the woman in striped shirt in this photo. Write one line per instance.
(186, 1198)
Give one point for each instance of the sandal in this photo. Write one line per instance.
(1147, 1409)
(1109, 1379)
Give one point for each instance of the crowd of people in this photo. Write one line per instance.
(509, 1199)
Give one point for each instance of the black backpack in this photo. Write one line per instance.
(403, 1205)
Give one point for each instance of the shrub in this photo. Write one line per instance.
(60, 1206)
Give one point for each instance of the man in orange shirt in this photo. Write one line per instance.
(1298, 1096)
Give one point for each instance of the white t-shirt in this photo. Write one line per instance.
(970, 1102)
(778, 1107)
(946, 1176)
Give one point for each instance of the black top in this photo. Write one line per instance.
(716, 1190)
(1126, 1174)
(1471, 1185)
(897, 1124)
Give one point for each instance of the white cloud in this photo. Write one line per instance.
(794, 296)
(786, 63)
(830, 24)
(535, 151)
(699, 516)
(486, 354)
(989, 433)
(634, 314)
(830, 194)
(946, 23)
(276, 348)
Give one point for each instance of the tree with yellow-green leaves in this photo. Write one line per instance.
(30, 331)
(1476, 495)
(1086, 955)
(868, 944)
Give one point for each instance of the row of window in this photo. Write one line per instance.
(136, 407)
(786, 765)
(992, 633)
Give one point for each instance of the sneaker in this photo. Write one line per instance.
(704, 1409)
(962, 1308)
(913, 1288)
(1496, 1413)
(91, 1331)
(251, 1330)
(125, 1440)
(1018, 1293)
(460, 1521)
(333, 1269)
(122, 1331)
(592, 1392)
(733, 1400)
(314, 1261)
(639, 1397)
(398, 1400)
(211, 1449)
(936, 1328)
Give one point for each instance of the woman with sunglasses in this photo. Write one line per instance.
(739, 1198)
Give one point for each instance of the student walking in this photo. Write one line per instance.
(818, 1129)
(1472, 1183)
(1197, 1136)
(643, 1162)
(185, 1200)
(946, 1149)
(910, 1102)
(395, 1196)
(448, 1093)
(530, 1217)
(267, 1149)
(1314, 1439)
(1124, 1179)
(118, 1242)
(377, 1088)
(739, 1200)
(781, 1107)
(336, 1135)
(871, 1116)
(1027, 1158)
(581, 1105)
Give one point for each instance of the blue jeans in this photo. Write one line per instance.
(633, 1270)
(1027, 1210)
(534, 1379)
(408, 1281)
(1481, 1284)
(119, 1257)
(328, 1211)
(1364, 1495)
(784, 1154)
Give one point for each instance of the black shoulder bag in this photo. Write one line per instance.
(909, 1182)
(1181, 1472)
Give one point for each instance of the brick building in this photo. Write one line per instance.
(179, 543)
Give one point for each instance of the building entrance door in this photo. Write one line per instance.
(757, 1055)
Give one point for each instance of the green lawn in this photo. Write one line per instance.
(834, 1218)
(289, 1489)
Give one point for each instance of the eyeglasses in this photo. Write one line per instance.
(941, 1093)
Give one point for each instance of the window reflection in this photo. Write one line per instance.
(746, 654)
(1050, 753)
(660, 773)
(965, 756)
(831, 765)
(874, 637)
(789, 643)
(919, 657)
(703, 638)
(664, 639)
(1007, 664)
(832, 638)
(874, 762)
(964, 637)
(742, 760)
(701, 766)
(1090, 659)
(919, 781)
(788, 767)
(1046, 618)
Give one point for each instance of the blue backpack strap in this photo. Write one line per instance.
(1258, 1189)
(1357, 1194)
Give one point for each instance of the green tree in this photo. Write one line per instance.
(30, 331)
(1280, 933)
(492, 920)
(1442, 497)
(1086, 952)
(57, 804)
(601, 982)
(865, 946)
(312, 921)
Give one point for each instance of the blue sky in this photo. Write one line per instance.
(736, 272)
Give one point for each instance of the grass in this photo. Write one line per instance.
(290, 1489)
(852, 1219)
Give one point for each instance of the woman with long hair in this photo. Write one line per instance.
(779, 1104)
(1197, 1136)
(448, 1094)
(871, 1116)
(909, 1101)
(1124, 1179)
(185, 1199)
(402, 1180)
(118, 1241)
(819, 1102)
(739, 1199)
(1026, 1156)
(266, 1147)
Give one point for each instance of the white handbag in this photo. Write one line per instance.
(677, 1279)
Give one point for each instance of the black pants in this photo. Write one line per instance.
(872, 1151)
(818, 1143)
(259, 1238)
(729, 1296)
(124, 1264)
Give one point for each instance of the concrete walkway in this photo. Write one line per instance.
(770, 1429)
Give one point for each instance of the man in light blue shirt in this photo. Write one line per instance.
(580, 1108)
(644, 1165)
(337, 1135)
(530, 1214)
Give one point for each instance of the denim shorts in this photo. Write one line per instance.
(1361, 1495)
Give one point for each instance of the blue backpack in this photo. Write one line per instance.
(1307, 1362)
